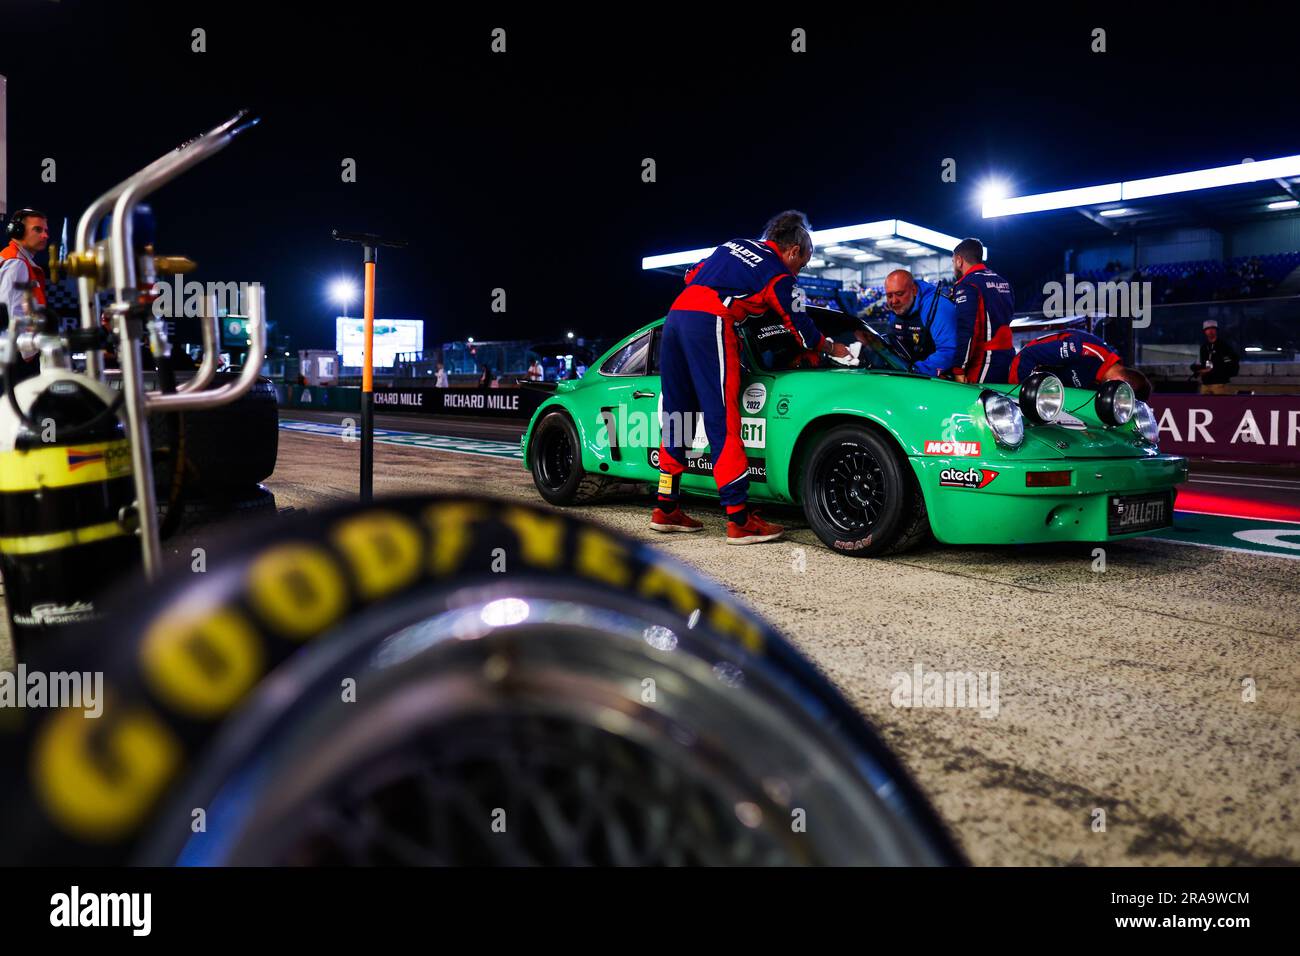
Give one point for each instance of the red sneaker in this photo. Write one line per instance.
(753, 531)
(677, 520)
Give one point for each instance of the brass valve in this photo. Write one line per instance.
(174, 265)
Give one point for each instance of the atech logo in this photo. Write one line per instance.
(956, 449)
(975, 478)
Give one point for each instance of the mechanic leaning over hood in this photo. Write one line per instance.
(699, 365)
(1079, 359)
(984, 303)
(925, 321)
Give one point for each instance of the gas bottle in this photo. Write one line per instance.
(66, 496)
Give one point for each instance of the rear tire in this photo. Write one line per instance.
(555, 459)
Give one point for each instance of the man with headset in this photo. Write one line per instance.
(28, 233)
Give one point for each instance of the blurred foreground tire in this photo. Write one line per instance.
(449, 681)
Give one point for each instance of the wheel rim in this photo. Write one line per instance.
(530, 724)
(555, 459)
(851, 489)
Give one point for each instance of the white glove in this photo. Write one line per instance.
(855, 353)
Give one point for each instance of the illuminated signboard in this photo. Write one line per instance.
(391, 337)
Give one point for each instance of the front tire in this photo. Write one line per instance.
(856, 495)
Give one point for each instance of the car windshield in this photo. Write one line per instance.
(775, 347)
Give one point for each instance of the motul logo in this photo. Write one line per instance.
(957, 449)
(975, 478)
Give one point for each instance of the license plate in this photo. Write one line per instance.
(1131, 513)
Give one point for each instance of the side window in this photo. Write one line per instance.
(631, 359)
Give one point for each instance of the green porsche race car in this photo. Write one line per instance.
(877, 456)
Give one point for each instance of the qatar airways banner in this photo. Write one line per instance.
(1264, 428)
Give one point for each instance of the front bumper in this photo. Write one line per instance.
(1006, 511)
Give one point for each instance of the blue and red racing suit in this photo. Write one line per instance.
(699, 359)
(984, 305)
(1078, 358)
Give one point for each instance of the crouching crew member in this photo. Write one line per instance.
(1079, 359)
(699, 364)
(984, 302)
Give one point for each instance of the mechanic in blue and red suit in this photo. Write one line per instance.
(699, 363)
(984, 303)
(1079, 359)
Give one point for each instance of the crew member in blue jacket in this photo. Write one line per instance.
(925, 322)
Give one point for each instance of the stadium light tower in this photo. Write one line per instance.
(343, 291)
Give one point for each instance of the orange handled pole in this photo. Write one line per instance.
(368, 381)
(370, 243)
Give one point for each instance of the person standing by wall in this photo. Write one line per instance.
(1219, 361)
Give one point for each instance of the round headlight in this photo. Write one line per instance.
(1115, 402)
(1146, 423)
(1041, 397)
(1004, 418)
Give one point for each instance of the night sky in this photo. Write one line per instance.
(523, 170)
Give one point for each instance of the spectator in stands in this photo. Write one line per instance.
(441, 380)
(924, 322)
(485, 379)
(535, 373)
(1219, 361)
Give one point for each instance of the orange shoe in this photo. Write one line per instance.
(753, 531)
(676, 520)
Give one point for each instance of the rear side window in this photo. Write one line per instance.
(631, 359)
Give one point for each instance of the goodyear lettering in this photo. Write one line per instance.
(541, 537)
(450, 523)
(727, 622)
(98, 778)
(383, 549)
(602, 558)
(202, 663)
(299, 589)
(658, 581)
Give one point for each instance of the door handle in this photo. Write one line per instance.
(641, 394)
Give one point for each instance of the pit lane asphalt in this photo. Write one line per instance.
(1120, 690)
